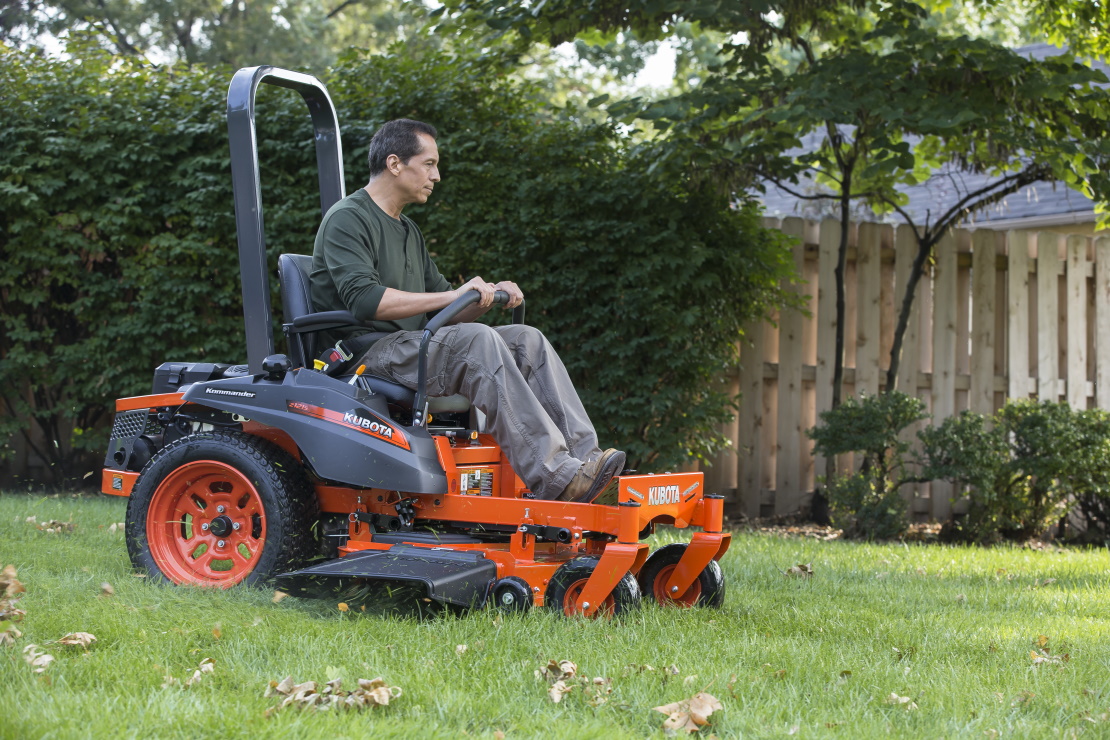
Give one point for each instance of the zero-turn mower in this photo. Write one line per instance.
(278, 470)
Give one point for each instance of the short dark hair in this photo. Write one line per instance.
(397, 137)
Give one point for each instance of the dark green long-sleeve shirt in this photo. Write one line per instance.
(360, 251)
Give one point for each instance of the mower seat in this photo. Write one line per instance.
(302, 323)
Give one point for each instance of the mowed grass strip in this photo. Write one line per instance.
(949, 630)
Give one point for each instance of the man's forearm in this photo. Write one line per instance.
(398, 304)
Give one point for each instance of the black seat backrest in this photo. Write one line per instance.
(296, 300)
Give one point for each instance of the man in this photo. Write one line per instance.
(372, 261)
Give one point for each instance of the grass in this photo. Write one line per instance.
(951, 628)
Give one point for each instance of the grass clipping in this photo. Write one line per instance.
(331, 696)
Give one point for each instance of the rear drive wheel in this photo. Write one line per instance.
(708, 589)
(219, 509)
(565, 589)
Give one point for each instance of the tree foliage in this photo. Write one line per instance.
(117, 246)
(302, 34)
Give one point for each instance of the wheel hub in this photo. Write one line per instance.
(221, 526)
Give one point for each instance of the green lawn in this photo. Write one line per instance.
(950, 628)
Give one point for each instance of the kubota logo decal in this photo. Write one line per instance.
(373, 426)
(658, 495)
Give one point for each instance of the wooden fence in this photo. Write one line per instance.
(999, 315)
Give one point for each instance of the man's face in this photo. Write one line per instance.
(417, 177)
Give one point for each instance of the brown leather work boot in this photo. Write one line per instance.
(593, 476)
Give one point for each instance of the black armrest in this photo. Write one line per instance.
(321, 321)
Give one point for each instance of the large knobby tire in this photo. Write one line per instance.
(570, 578)
(219, 509)
(708, 589)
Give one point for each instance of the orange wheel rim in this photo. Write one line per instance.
(570, 601)
(659, 590)
(206, 525)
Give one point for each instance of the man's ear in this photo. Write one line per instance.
(393, 164)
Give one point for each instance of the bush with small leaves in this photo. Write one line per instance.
(869, 505)
(1019, 468)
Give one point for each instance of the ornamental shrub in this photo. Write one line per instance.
(1018, 468)
(117, 238)
(869, 504)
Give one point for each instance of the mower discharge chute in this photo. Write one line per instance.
(273, 469)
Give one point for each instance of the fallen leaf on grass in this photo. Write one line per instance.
(633, 668)
(206, 666)
(563, 677)
(117, 527)
(460, 649)
(107, 590)
(81, 639)
(55, 527)
(39, 661)
(10, 583)
(278, 596)
(8, 634)
(557, 671)
(305, 695)
(1040, 657)
(11, 588)
(216, 632)
(690, 714)
(1041, 640)
(558, 690)
(900, 701)
(801, 570)
(342, 606)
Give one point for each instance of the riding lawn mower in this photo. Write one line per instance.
(282, 470)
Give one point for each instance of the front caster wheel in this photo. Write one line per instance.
(566, 587)
(708, 589)
(511, 594)
(218, 509)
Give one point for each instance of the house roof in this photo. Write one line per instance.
(1039, 204)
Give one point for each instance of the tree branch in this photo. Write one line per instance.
(341, 7)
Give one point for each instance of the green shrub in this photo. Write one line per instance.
(117, 238)
(869, 505)
(1018, 468)
(1088, 477)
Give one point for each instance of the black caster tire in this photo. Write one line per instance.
(570, 578)
(707, 590)
(511, 594)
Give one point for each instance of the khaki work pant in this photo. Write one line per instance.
(514, 376)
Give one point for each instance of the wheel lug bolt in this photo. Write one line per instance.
(585, 605)
(235, 525)
(220, 508)
(221, 543)
(674, 589)
(204, 526)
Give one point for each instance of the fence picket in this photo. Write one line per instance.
(981, 397)
(1017, 277)
(1102, 322)
(868, 308)
(1077, 321)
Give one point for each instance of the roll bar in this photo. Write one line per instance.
(249, 225)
